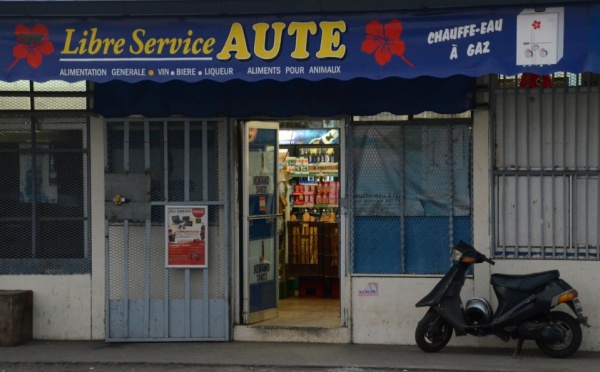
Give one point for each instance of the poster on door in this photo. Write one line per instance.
(186, 236)
(260, 261)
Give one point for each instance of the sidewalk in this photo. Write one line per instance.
(307, 355)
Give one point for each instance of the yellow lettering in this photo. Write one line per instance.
(208, 44)
(301, 29)
(83, 43)
(331, 41)
(196, 47)
(118, 48)
(149, 46)
(236, 43)
(175, 45)
(137, 41)
(66, 49)
(95, 44)
(260, 40)
(187, 41)
(161, 45)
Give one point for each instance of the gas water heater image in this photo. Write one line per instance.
(540, 36)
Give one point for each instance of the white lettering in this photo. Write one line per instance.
(268, 70)
(325, 70)
(294, 70)
(128, 72)
(471, 30)
(215, 71)
(453, 53)
(479, 48)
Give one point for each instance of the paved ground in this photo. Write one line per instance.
(52, 356)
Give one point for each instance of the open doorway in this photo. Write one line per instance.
(308, 232)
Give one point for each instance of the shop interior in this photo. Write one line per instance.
(308, 188)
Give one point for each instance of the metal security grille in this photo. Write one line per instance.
(546, 167)
(55, 97)
(44, 178)
(186, 164)
(410, 194)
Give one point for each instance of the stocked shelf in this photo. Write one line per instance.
(313, 248)
(321, 194)
(317, 206)
(311, 175)
(305, 253)
(314, 173)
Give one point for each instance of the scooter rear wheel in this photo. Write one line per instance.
(433, 333)
(570, 326)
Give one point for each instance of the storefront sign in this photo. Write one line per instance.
(312, 47)
(186, 236)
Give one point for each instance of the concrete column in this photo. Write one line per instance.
(481, 199)
(98, 233)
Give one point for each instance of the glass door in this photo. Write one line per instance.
(260, 220)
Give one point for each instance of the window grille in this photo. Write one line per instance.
(44, 179)
(386, 116)
(55, 96)
(185, 159)
(410, 194)
(546, 167)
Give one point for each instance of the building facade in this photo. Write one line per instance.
(120, 126)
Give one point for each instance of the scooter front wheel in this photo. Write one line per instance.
(570, 343)
(433, 332)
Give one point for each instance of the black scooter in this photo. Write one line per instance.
(523, 313)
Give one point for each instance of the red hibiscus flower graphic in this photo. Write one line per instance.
(536, 25)
(385, 41)
(33, 43)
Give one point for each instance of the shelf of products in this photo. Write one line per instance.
(320, 193)
(313, 246)
(315, 172)
(311, 175)
(312, 161)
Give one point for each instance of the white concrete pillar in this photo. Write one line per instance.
(96, 152)
(481, 199)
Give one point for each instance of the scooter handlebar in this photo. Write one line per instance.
(490, 261)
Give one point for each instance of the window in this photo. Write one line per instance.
(411, 194)
(546, 174)
(52, 95)
(44, 186)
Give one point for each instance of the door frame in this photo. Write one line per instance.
(237, 156)
(168, 304)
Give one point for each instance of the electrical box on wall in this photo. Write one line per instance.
(540, 36)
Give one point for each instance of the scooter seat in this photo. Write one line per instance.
(526, 282)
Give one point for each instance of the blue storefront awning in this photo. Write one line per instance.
(312, 47)
(327, 97)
